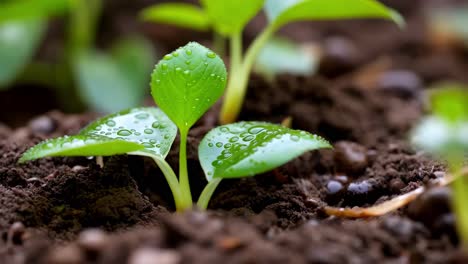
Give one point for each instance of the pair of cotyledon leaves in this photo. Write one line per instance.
(229, 17)
(185, 84)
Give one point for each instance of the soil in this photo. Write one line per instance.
(365, 99)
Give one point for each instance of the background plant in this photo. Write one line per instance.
(80, 70)
(229, 17)
(185, 84)
(444, 133)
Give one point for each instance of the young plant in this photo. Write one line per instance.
(185, 84)
(445, 134)
(229, 17)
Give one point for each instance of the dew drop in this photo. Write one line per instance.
(224, 129)
(148, 145)
(124, 132)
(186, 72)
(255, 130)
(210, 145)
(142, 116)
(188, 52)
(219, 144)
(148, 131)
(110, 123)
(188, 62)
(155, 124)
(248, 138)
(166, 136)
(167, 57)
(234, 139)
(175, 54)
(178, 69)
(164, 66)
(294, 138)
(227, 145)
(211, 55)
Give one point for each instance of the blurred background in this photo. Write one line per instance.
(97, 55)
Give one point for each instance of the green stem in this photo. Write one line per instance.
(238, 80)
(460, 186)
(171, 179)
(83, 24)
(207, 192)
(219, 44)
(183, 174)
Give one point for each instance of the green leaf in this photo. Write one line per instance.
(231, 16)
(248, 148)
(186, 83)
(281, 12)
(27, 9)
(79, 145)
(18, 43)
(281, 55)
(450, 101)
(147, 126)
(438, 136)
(123, 76)
(179, 14)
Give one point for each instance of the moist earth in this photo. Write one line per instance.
(367, 95)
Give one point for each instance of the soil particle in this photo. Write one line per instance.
(350, 158)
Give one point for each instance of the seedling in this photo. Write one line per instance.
(185, 84)
(229, 17)
(445, 134)
(80, 69)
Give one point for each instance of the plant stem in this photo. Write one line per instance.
(219, 44)
(240, 73)
(171, 179)
(207, 192)
(183, 174)
(460, 186)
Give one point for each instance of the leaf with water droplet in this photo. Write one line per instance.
(80, 145)
(147, 125)
(283, 12)
(181, 85)
(253, 148)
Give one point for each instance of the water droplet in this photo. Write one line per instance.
(175, 54)
(124, 132)
(164, 66)
(188, 62)
(155, 124)
(248, 138)
(167, 57)
(148, 145)
(148, 131)
(255, 130)
(224, 129)
(227, 145)
(219, 144)
(216, 163)
(178, 69)
(153, 141)
(234, 139)
(213, 75)
(142, 116)
(211, 55)
(110, 123)
(166, 136)
(186, 72)
(210, 145)
(294, 138)
(188, 52)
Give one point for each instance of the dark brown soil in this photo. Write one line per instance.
(69, 210)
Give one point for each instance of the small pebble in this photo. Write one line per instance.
(350, 157)
(401, 82)
(70, 254)
(339, 55)
(335, 191)
(15, 233)
(92, 240)
(154, 256)
(396, 185)
(359, 188)
(42, 125)
(432, 204)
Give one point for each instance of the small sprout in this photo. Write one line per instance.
(228, 18)
(185, 91)
(445, 135)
